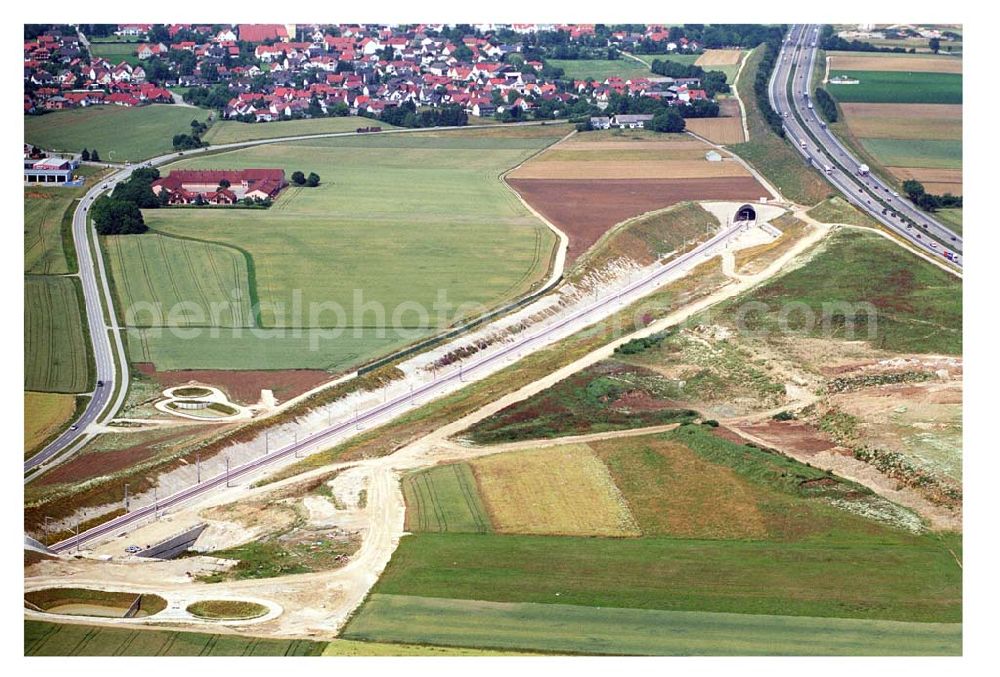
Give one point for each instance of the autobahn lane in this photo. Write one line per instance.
(385, 411)
(107, 345)
(835, 149)
(788, 85)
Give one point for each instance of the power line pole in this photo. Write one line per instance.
(227, 471)
(126, 498)
(198, 466)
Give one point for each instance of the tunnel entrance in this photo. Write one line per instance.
(746, 213)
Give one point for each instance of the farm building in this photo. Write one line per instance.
(601, 122)
(49, 170)
(220, 186)
(630, 121)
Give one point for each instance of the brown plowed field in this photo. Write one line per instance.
(936, 181)
(719, 57)
(718, 130)
(244, 387)
(585, 209)
(892, 62)
(903, 121)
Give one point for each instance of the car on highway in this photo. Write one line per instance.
(100, 384)
(133, 549)
(74, 427)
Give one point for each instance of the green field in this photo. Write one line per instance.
(51, 639)
(44, 253)
(934, 153)
(726, 528)
(898, 87)
(589, 630)
(118, 133)
(231, 131)
(444, 499)
(877, 576)
(168, 271)
(116, 52)
(56, 353)
(917, 307)
(772, 156)
(343, 258)
(602, 69)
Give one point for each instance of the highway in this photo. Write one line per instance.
(106, 340)
(386, 411)
(818, 145)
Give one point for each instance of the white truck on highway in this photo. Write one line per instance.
(828, 169)
(863, 170)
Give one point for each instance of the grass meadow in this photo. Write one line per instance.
(117, 133)
(230, 131)
(602, 69)
(589, 630)
(917, 306)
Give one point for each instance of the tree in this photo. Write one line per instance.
(934, 44)
(668, 120)
(298, 178)
(85, 155)
(313, 180)
(94, 157)
(117, 217)
(224, 183)
(914, 189)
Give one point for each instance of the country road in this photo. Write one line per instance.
(788, 93)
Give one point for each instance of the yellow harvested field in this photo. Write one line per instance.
(717, 130)
(903, 121)
(44, 415)
(624, 169)
(936, 181)
(890, 62)
(685, 143)
(560, 490)
(719, 57)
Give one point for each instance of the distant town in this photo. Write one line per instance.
(419, 75)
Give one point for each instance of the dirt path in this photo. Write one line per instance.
(736, 95)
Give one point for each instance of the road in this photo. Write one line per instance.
(788, 90)
(383, 412)
(106, 340)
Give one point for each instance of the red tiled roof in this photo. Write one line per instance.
(261, 32)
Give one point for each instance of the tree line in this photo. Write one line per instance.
(928, 201)
(826, 105)
(713, 82)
